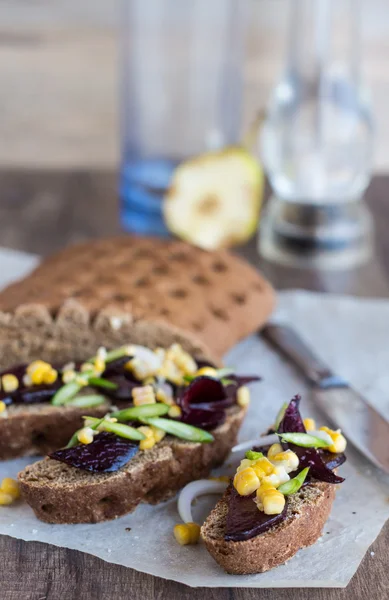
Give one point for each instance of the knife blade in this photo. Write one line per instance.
(362, 425)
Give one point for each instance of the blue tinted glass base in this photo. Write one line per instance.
(143, 184)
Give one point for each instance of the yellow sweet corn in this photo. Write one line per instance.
(187, 533)
(5, 499)
(3, 406)
(288, 459)
(99, 365)
(262, 466)
(9, 382)
(171, 372)
(68, 375)
(339, 441)
(246, 482)
(158, 433)
(11, 487)
(273, 502)
(50, 376)
(143, 395)
(182, 359)
(243, 396)
(139, 368)
(149, 441)
(273, 450)
(175, 412)
(246, 462)
(309, 424)
(85, 435)
(86, 367)
(207, 371)
(264, 487)
(162, 396)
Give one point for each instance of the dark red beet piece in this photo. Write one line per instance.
(245, 520)
(27, 395)
(292, 422)
(106, 454)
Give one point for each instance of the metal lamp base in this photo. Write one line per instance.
(334, 236)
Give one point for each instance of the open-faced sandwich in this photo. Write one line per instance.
(176, 419)
(278, 500)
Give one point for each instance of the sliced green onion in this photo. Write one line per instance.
(74, 441)
(140, 412)
(252, 455)
(65, 393)
(227, 381)
(305, 440)
(181, 430)
(293, 485)
(103, 383)
(87, 401)
(124, 431)
(280, 415)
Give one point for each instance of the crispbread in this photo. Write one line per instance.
(213, 297)
(307, 512)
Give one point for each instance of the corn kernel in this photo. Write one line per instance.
(243, 396)
(5, 499)
(206, 371)
(263, 465)
(99, 365)
(273, 502)
(149, 441)
(139, 368)
(36, 364)
(50, 376)
(246, 482)
(81, 380)
(68, 376)
(10, 383)
(143, 395)
(175, 412)
(162, 396)
(86, 367)
(339, 441)
(101, 353)
(158, 433)
(27, 381)
(309, 424)
(85, 435)
(187, 533)
(11, 487)
(246, 462)
(264, 487)
(3, 406)
(171, 372)
(273, 450)
(288, 459)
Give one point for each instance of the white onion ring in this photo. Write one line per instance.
(266, 440)
(192, 491)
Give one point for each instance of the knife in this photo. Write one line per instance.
(366, 429)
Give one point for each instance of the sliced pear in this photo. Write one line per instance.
(214, 199)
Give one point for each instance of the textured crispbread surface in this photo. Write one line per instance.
(215, 297)
(307, 513)
(59, 493)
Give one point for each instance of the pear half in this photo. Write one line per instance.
(214, 199)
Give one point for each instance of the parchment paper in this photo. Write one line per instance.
(352, 336)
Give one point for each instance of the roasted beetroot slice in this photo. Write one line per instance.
(106, 454)
(124, 390)
(244, 520)
(202, 390)
(204, 418)
(292, 422)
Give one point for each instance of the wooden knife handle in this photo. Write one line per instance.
(289, 343)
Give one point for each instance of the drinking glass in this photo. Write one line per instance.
(181, 95)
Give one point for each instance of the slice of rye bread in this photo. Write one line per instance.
(89, 293)
(43, 428)
(307, 513)
(59, 493)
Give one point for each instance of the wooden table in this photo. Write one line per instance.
(41, 212)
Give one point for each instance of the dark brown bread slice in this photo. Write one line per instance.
(42, 428)
(307, 513)
(59, 493)
(213, 297)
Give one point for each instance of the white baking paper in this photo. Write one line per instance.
(352, 336)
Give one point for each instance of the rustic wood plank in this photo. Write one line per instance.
(41, 212)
